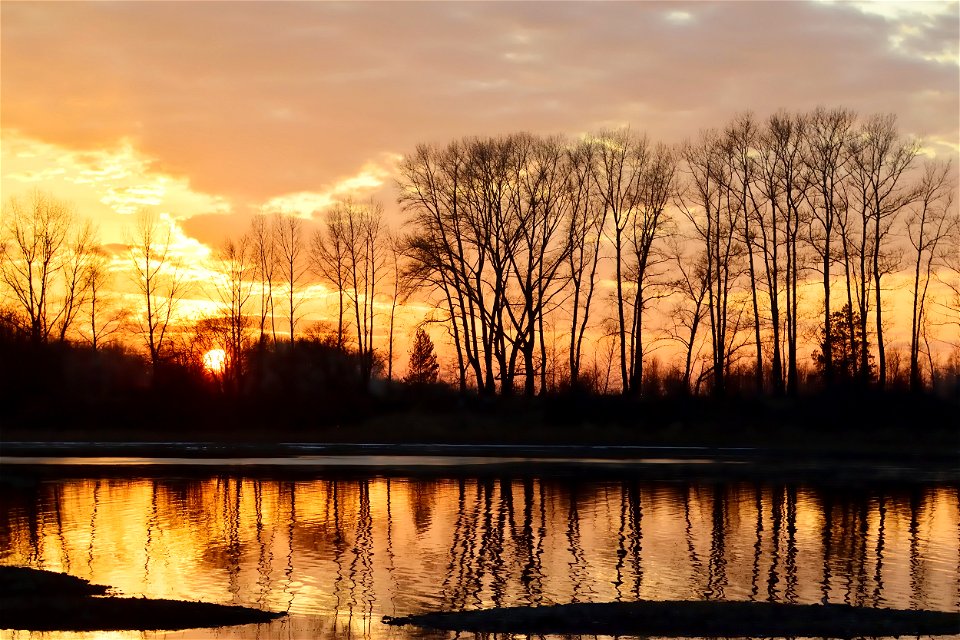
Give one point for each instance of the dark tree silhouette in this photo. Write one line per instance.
(424, 367)
(846, 348)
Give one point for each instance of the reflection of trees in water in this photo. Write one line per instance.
(579, 574)
(790, 593)
(878, 551)
(350, 545)
(629, 542)
(423, 493)
(918, 573)
(695, 564)
(776, 522)
(530, 545)
(757, 545)
(717, 564)
(361, 568)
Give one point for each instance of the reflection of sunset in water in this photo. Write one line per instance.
(341, 554)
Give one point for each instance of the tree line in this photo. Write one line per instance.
(511, 231)
(537, 251)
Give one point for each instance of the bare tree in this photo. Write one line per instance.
(647, 227)
(159, 278)
(328, 257)
(880, 160)
(828, 138)
(687, 315)
(712, 209)
(930, 222)
(622, 158)
(45, 263)
(105, 318)
(234, 289)
(263, 245)
(402, 288)
(293, 263)
(364, 239)
(585, 233)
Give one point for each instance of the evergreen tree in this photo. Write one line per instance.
(423, 368)
(845, 347)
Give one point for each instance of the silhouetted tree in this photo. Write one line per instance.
(293, 263)
(45, 259)
(263, 246)
(846, 351)
(929, 223)
(159, 278)
(234, 288)
(423, 367)
(585, 238)
(880, 160)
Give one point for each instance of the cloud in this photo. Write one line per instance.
(257, 102)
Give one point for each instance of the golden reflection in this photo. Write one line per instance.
(339, 554)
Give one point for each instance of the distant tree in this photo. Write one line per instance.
(45, 256)
(159, 278)
(929, 223)
(291, 249)
(105, 318)
(845, 346)
(585, 227)
(236, 263)
(263, 239)
(423, 368)
(365, 255)
(328, 258)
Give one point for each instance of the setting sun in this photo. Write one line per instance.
(215, 360)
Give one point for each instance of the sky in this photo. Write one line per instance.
(211, 111)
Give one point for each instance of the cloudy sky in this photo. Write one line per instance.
(212, 110)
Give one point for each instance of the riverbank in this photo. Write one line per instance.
(836, 424)
(36, 600)
(303, 459)
(692, 619)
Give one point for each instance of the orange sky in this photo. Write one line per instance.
(208, 112)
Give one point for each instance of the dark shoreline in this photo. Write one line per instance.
(692, 619)
(37, 600)
(299, 459)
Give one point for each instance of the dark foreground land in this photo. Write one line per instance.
(35, 600)
(690, 619)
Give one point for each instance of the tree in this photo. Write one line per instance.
(880, 160)
(45, 259)
(364, 259)
(401, 291)
(827, 151)
(622, 158)
(846, 351)
(929, 223)
(159, 278)
(711, 207)
(328, 257)
(423, 367)
(293, 263)
(585, 232)
(263, 240)
(105, 319)
(234, 288)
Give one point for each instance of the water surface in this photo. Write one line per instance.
(339, 552)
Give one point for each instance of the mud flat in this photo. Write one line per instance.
(35, 600)
(691, 619)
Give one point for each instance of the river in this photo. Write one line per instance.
(339, 550)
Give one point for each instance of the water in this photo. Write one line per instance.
(339, 552)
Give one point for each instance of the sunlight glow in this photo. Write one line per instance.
(215, 360)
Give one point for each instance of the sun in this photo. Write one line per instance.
(215, 360)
